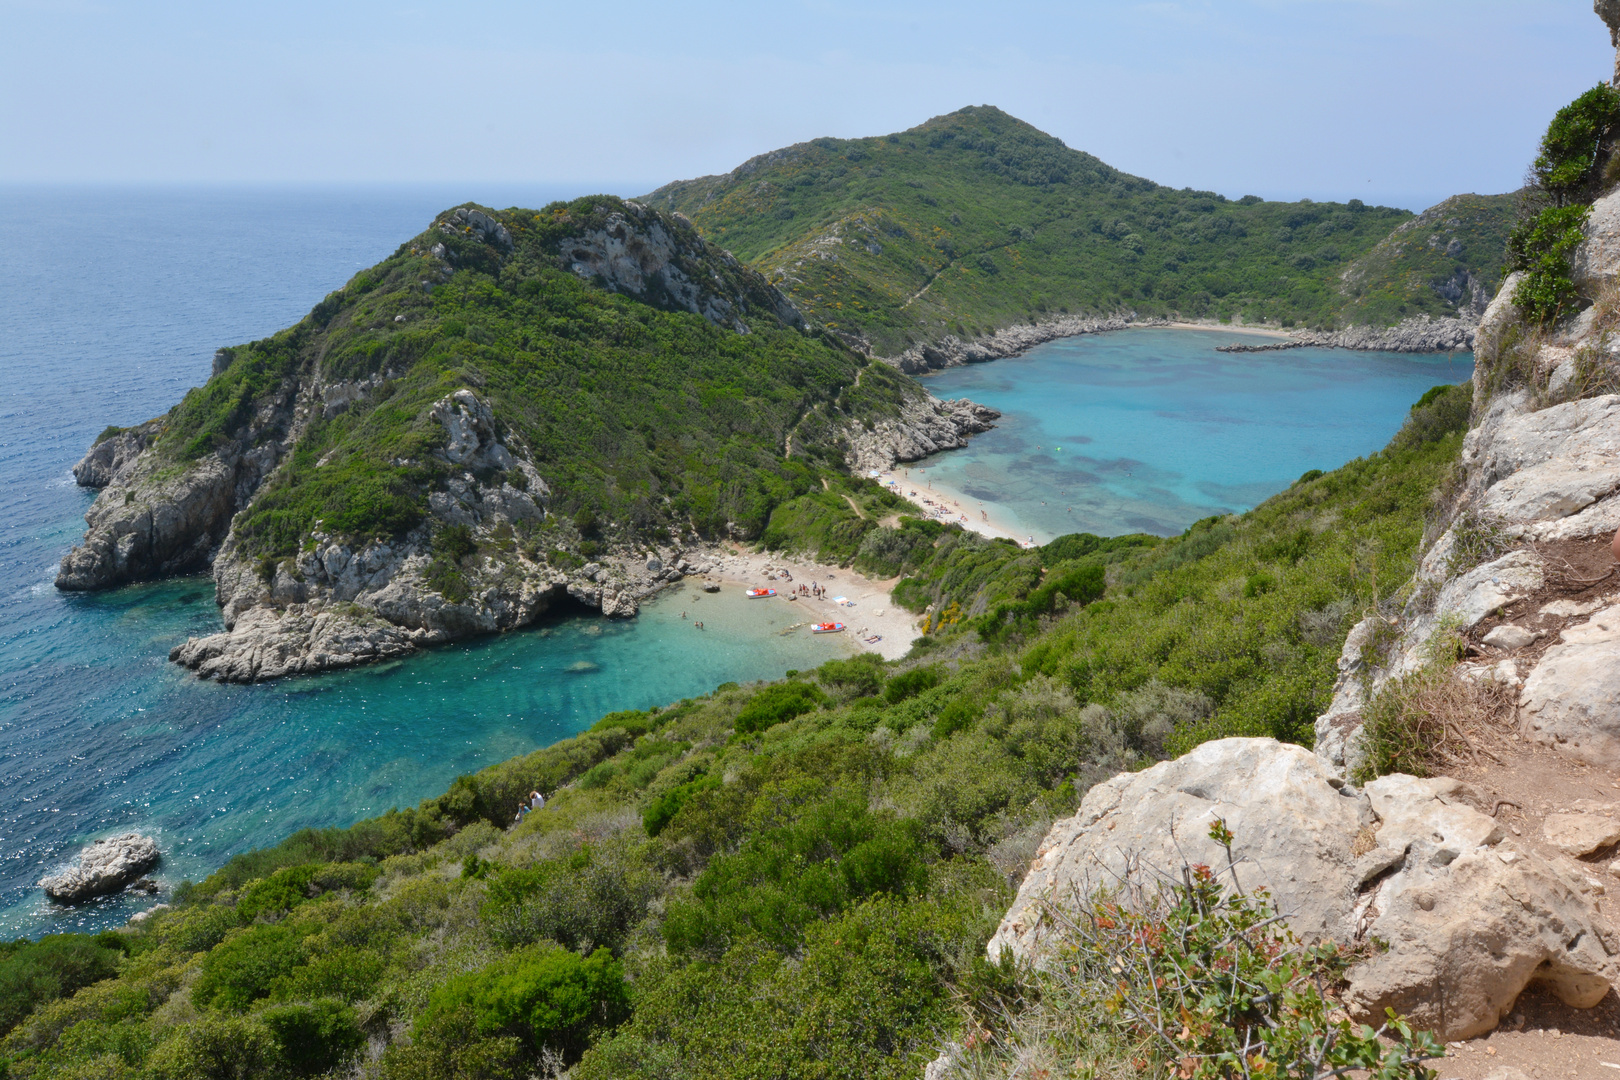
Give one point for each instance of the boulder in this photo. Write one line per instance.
(1571, 699)
(106, 866)
(1468, 919)
(1509, 637)
(1580, 834)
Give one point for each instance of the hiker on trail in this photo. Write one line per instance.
(536, 800)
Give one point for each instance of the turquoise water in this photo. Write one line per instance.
(1150, 430)
(114, 304)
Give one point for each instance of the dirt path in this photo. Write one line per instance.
(1524, 782)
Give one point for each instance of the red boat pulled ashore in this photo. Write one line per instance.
(826, 627)
(759, 594)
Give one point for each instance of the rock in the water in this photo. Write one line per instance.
(1510, 637)
(106, 866)
(1572, 699)
(1580, 834)
(1409, 862)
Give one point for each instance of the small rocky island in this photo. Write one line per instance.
(106, 866)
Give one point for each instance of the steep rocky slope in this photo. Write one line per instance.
(516, 409)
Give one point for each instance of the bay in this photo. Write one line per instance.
(1151, 429)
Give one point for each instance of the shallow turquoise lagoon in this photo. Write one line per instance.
(1150, 430)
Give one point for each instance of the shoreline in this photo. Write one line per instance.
(933, 496)
(870, 612)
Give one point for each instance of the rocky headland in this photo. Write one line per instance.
(482, 550)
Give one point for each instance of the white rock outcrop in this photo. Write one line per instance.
(1469, 918)
(106, 866)
(925, 425)
(1571, 699)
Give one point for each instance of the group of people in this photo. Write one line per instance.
(812, 589)
(535, 801)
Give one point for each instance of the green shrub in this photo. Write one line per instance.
(661, 810)
(448, 1044)
(1567, 165)
(217, 1048)
(245, 968)
(776, 704)
(544, 996)
(910, 683)
(34, 972)
(835, 851)
(589, 900)
(1541, 247)
(1172, 974)
(859, 676)
(314, 1038)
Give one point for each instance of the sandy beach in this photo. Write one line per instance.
(941, 502)
(868, 613)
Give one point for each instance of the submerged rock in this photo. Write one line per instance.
(106, 866)
(1409, 862)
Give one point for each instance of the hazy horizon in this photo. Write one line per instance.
(1391, 103)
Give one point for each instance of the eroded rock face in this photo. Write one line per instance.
(924, 426)
(155, 526)
(635, 253)
(1571, 699)
(108, 459)
(1469, 918)
(106, 866)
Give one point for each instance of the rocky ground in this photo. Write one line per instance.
(1491, 883)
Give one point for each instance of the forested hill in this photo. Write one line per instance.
(976, 220)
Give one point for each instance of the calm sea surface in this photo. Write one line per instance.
(1150, 430)
(112, 305)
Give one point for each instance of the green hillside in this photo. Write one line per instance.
(643, 418)
(785, 880)
(1452, 255)
(976, 220)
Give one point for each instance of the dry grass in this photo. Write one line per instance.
(1433, 719)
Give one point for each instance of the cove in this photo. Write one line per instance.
(111, 312)
(115, 738)
(1148, 430)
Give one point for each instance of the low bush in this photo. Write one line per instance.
(543, 996)
(1173, 973)
(778, 704)
(34, 972)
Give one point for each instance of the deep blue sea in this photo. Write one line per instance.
(1150, 430)
(113, 304)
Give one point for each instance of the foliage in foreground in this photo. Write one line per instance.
(787, 879)
(1185, 976)
(1569, 172)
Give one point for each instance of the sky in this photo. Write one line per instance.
(1398, 102)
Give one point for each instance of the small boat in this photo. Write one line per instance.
(827, 628)
(759, 594)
